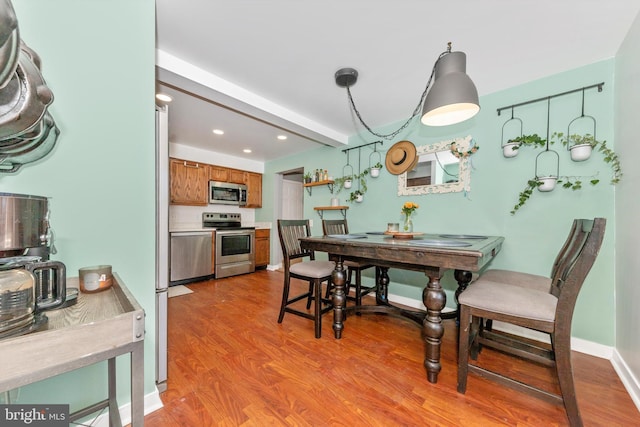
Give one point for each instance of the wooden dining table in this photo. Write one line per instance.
(432, 254)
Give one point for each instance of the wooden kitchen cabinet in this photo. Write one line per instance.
(262, 247)
(254, 190)
(237, 176)
(189, 182)
(218, 173)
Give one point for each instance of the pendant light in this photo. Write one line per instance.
(453, 98)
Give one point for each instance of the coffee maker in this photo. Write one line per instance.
(30, 283)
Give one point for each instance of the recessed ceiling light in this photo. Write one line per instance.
(282, 137)
(246, 150)
(162, 97)
(218, 132)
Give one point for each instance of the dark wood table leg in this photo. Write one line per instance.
(434, 299)
(382, 285)
(339, 298)
(464, 278)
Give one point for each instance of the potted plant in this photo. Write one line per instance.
(356, 196)
(307, 177)
(510, 149)
(583, 145)
(343, 182)
(375, 170)
(546, 183)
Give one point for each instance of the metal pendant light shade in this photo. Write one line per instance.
(453, 98)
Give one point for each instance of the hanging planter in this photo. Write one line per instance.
(579, 146)
(510, 148)
(374, 169)
(581, 152)
(356, 196)
(547, 183)
(347, 178)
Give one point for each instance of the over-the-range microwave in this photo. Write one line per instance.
(227, 193)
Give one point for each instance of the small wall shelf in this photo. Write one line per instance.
(328, 183)
(342, 209)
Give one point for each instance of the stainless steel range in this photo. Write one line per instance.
(235, 244)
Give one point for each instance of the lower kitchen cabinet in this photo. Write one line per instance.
(262, 247)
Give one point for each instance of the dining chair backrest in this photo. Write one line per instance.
(563, 253)
(335, 226)
(290, 231)
(580, 254)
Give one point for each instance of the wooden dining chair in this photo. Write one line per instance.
(354, 268)
(312, 271)
(545, 310)
(533, 280)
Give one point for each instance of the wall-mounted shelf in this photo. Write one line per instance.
(342, 209)
(328, 183)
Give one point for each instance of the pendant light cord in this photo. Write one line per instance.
(416, 111)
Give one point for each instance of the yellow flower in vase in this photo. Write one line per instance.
(407, 209)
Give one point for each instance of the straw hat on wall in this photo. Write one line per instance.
(401, 157)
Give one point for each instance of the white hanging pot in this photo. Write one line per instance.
(548, 183)
(347, 183)
(581, 152)
(375, 172)
(510, 149)
(359, 198)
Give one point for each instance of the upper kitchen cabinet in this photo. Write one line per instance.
(189, 182)
(218, 173)
(254, 190)
(237, 176)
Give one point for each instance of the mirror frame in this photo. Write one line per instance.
(464, 181)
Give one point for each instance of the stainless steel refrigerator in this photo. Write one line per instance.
(162, 243)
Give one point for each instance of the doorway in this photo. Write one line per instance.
(289, 203)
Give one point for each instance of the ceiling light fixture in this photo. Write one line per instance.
(453, 97)
(218, 132)
(282, 137)
(164, 98)
(246, 150)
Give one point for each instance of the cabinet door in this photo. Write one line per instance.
(262, 247)
(237, 176)
(189, 183)
(218, 173)
(254, 190)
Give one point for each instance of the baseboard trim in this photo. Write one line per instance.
(152, 402)
(625, 374)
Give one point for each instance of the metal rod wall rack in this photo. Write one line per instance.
(547, 98)
(362, 146)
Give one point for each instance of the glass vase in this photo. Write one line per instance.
(408, 224)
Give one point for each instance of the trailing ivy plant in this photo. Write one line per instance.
(361, 178)
(609, 156)
(533, 140)
(524, 195)
(568, 182)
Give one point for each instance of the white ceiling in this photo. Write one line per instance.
(275, 60)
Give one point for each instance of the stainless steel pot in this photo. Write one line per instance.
(24, 221)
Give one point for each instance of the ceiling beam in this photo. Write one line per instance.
(175, 72)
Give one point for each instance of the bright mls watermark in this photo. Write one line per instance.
(34, 415)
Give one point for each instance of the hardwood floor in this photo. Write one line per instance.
(232, 364)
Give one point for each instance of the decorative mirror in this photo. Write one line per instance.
(438, 170)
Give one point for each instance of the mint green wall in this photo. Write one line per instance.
(627, 290)
(98, 58)
(536, 232)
